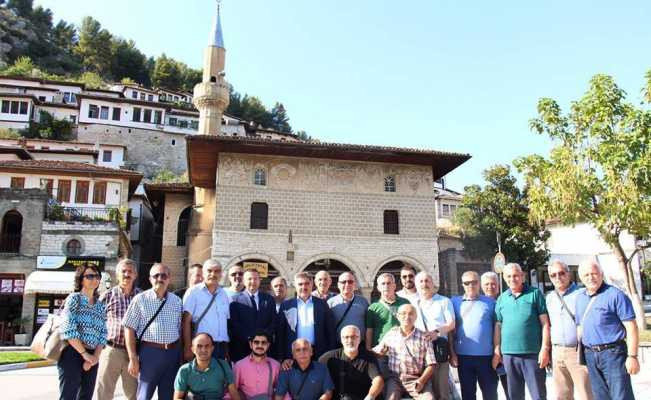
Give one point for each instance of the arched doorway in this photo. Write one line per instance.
(393, 267)
(12, 226)
(261, 265)
(334, 268)
(182, 227)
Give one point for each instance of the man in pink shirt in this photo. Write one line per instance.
(256, 375)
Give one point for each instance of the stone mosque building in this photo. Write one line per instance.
(290, 206)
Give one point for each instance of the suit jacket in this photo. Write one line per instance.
(324, 329)
(245, 320)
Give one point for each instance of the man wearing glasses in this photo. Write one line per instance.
(206, 309)
(569, 375)
(256, 375)
(473, 340)
(408, 280)
(236, 278)
(347, 308)
(153, 318)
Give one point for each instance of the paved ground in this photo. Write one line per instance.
(42, 383)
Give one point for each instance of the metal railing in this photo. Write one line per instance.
(81, 214)
(9, 243)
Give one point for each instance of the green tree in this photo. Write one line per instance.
(599, 170)
(127, 61)
(49, 127)
(167, 176)
(166, 73)
(304, 136)
(280, 119)
(94, 47)
(499, 209)
(254, 110)
(92, 80)
(23, 66)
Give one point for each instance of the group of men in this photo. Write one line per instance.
(320, 344)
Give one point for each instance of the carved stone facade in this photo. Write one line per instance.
(334, 209)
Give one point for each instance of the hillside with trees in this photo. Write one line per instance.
(32, 45)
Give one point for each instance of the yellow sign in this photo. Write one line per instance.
(261, 267)
(44, 303)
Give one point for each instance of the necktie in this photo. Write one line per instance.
(255, 305)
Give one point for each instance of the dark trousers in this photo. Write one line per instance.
(607, 372)
(157, 371)
(477, 369)
(74, 382)
(505, 386)
(521, 368)
(219, 350)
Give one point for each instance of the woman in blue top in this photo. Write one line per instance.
(84, 328)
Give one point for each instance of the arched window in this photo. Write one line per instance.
(259, 215)
(12, 226)
(389, 184)
(260, 177)
(73, 247)
(182, 227)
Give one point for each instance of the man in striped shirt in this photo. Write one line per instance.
(114, 360)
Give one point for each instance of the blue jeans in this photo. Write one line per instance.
(157, 371)
(74, 382)
(521, 368)
(608, 376)
(477, 369)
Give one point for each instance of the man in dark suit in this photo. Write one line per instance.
(304, 317)
(251, 311)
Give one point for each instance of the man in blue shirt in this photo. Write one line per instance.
(306, 379)
(473, 340)
(608, 333)
(569, 375)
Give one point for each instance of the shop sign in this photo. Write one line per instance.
(41, 315)
(11, 284)
(64, 263)
(261, 267)
(6, 286)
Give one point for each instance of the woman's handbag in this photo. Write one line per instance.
(47, 342)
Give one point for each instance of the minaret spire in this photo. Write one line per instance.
(211, 96)
(216, 35)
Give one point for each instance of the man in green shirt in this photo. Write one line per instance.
(205, 376)
(381, 315)
(522, 335)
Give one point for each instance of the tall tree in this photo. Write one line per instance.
(499, 210)
(279, 118)
(166, 73)
(599, 170)
(94, 47)
(127, 61)
(254, 110)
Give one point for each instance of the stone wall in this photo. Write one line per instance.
(148, 151)
(172, 255)
(30, 203)
(334, 210)
(97, 239)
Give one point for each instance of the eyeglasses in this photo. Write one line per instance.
(260, 342)
(92, 276)
(161, 275)
(237, 273)
(350, 282)
(468, 283)
(559, 274)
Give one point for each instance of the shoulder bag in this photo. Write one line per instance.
(47, 342)
(440, 345)
(139, 338)
(270, 390)
(350, 305)
(195, 325)
(300, 388)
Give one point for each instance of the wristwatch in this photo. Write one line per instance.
(633, 356)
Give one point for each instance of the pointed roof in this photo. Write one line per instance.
(216, 35)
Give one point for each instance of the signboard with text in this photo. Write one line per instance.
(63, 263)
(261, 267)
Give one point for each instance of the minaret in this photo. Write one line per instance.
(211, 96)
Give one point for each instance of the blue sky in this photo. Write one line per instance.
(444, 75)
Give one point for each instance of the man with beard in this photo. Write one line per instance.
(408, 280)
(353, 370)
(257, 375)
(204, 377)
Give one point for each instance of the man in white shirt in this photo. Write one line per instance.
(436, 319)
(207, 314)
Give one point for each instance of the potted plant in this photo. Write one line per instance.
(20, 337)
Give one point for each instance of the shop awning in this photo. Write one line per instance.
(55, 282)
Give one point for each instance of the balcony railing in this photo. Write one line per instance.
(9, 243)
(81, 214)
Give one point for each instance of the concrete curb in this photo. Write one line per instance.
(26, 365)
